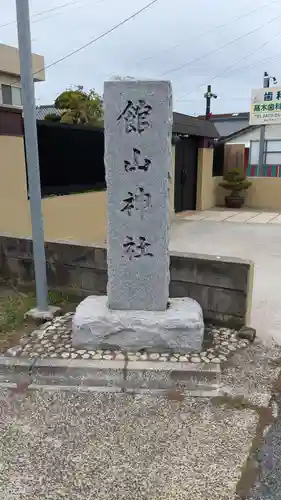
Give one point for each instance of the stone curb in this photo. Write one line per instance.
(134, 376)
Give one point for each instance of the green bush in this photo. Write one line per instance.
(235, 180)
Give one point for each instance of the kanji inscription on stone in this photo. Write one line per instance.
(138, 160)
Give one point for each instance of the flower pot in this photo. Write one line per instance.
(234, 201)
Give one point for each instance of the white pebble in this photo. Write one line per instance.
(195, 359)
(173, 359)
(65, 355)
(154, 355)
(119, 357)
(92, 353)
(162, 358)
(222, 358)
(183, 358)
(224, 343)
(85, 356)
(216, 360)
(107, 356)
(97, 356)
(81, 351)
(68, 346)
(143, 357)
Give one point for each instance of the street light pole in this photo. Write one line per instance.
(266, 84)
(30, 132)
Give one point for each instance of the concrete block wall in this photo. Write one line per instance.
(223, 287)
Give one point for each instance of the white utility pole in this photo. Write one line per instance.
(32, 159)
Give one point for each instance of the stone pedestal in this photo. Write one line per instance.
(179, 328)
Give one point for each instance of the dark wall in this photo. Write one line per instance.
(71, 158)
(218, 164)
(11, 121)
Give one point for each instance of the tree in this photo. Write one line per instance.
(52, 117)
(80, 107)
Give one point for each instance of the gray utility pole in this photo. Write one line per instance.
(266, 84)
(30, 130)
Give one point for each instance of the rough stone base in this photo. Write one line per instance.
(180, 328)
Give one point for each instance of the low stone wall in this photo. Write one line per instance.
(223, 287)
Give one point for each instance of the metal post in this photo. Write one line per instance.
(30, 129)
(266, 82)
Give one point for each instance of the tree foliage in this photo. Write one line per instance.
(52, 117)
(80, 107)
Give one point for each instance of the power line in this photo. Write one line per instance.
(258, 62)
(56, 14)
(94, 40)
(211, 30)
(235, 64)
(44, 12)
(177, 68)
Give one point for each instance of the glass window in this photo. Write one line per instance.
(16, 96)
(254, 159)
(7, 94)
(273, 146)
(273, 158)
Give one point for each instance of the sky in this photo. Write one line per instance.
(192, 43)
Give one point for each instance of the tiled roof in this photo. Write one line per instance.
(184, 124)
(42, 111)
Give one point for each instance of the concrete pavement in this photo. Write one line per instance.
(258, 242)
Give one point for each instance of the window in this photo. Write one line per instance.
(10, 95)
(272, 152)
(254, 153)
(7, 94)
(16, 96)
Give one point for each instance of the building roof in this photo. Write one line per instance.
(189, 125)
(229, 123)
(237, 133)
(42, 111)
(228, 116)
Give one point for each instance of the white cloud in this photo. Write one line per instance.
(145, 46)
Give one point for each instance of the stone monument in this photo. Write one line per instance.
(137, 313)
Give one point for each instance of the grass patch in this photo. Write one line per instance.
(13, 306)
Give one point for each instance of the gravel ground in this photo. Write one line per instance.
(101, 446)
